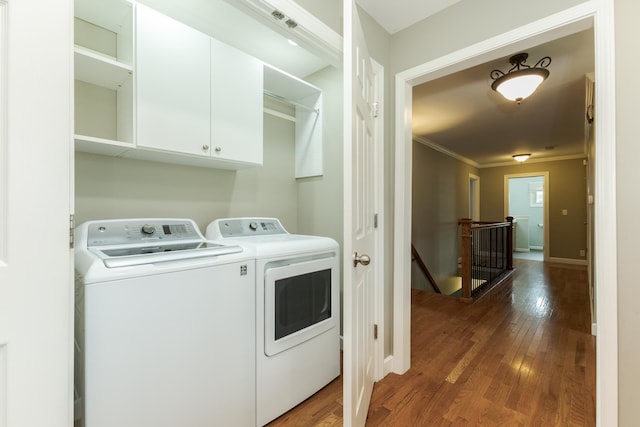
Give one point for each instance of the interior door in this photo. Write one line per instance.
(359, 229)
(36, 292)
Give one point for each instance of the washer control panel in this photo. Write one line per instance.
(132, 231)
(243, 227)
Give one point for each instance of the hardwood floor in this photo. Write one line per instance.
(521, 356)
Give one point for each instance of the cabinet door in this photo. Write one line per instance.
(172, 85)
(236, 105)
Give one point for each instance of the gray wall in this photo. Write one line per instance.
(440, 198)
(328, 11)
(111, 187)
(628, 207)
(567, 190)
(464, 24)
(319, 209)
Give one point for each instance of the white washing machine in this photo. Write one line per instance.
(297, 310)
(165, 326)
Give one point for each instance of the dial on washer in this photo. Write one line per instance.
(148, 229)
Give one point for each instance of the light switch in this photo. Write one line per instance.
(564, 212)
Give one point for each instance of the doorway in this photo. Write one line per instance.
(526, 200)
(554, 26)
(474, 197)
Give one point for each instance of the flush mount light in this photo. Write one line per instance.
(521, 157)
(521, 80)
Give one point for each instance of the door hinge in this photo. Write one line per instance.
(375, 332)
(72, 231)
(374, 109)
(375, 221)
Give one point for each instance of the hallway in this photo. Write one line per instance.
(523, 355)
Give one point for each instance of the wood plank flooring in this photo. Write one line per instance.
(521, 356)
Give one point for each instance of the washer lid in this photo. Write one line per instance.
(139, 241)
(126, 256)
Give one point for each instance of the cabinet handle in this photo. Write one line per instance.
(205, 147)
(218, 149)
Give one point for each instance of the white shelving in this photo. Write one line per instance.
(103, 76)
(307, 101)
(204, 109)
(99, 69)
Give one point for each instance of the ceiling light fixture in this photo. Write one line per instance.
(521, 157)
(521, 80)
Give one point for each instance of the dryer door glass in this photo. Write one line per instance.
(300, 302)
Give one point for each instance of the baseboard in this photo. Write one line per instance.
(387, 366)
(77, 409)
(522, 250)
(567, 261)
(536, 248)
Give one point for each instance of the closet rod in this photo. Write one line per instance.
(288, 101)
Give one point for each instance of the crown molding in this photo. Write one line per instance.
(425, 141)
(534, 160)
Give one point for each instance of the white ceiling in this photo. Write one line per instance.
(396, 15)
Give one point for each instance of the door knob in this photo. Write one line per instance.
(362, 259)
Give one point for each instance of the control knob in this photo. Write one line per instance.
(253, 226)
(148, 229)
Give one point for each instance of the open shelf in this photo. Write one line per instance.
(99, 69)
(95, 145)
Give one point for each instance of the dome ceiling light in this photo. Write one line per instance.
(521, 80)
(521, 157)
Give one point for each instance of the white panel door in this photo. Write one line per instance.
(359, 237)
(236, 104)
(173, 93)
(36, 289)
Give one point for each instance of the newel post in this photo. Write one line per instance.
(465, 251)
(510, 243)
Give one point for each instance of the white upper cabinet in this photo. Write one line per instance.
(236, 104)
(195, 95)
(173, 92)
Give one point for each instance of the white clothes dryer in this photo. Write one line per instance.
(165, 326)
(297, 310)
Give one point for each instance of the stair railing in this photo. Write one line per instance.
(424, 269)
(487, 255)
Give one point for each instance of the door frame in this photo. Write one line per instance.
(592, 13)
(474, 197)
(379, 370)
(545, 214)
